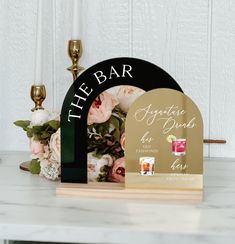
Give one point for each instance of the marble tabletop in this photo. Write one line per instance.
(30, 210)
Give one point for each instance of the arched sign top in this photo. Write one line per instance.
(84, 90)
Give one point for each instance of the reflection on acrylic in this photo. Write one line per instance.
(106, 133)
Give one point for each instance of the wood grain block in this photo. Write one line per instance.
(118, 191)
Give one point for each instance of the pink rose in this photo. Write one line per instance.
(127, 95)
(101, 109)
(123, 141)
(118, 171)
(36, 147)
(55, 146)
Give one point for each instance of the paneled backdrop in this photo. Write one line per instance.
(192, 40)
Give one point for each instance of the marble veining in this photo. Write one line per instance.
(30, 210)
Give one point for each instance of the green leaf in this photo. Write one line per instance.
(117, 135)
(22, 123)
(102, 128)
(45, 135)
(97, 155)
(29, 134)
(37, 128)
(55, 124)
(114, 121)
(34, 166)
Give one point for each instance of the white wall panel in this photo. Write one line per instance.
(222, 111)
(192, 40)
(62, 79)
(17, 66)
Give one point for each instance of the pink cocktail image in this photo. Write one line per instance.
(179, 147)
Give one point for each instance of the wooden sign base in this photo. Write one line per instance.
(117, 191)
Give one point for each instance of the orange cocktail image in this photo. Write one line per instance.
(146, 165)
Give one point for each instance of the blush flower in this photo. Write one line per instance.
(55, 146)
(123, 141)
(36, 147)
(127, 95)
(95, 165)
(118, 171)
(101, 109)
(50, 168)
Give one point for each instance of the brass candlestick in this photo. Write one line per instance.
(75, 53)
(38, 95)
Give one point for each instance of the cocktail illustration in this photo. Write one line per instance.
(178, 145)
(146, 165)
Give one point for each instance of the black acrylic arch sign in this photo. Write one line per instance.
(84, 90)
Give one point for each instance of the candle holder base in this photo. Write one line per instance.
(25, 166)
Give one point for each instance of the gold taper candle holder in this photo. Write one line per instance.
(38, 95)
(75, 53)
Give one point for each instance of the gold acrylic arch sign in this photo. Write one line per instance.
(164, 142)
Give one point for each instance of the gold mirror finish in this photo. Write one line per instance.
(165, 124)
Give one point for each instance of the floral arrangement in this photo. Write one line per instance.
(43, 132)
(105, 137)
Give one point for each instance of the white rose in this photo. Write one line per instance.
(55, 146)
(54, 116)
(95, 164)
(39, 117)
(50, 170)
(127, 95)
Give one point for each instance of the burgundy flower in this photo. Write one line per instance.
(118, 171)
